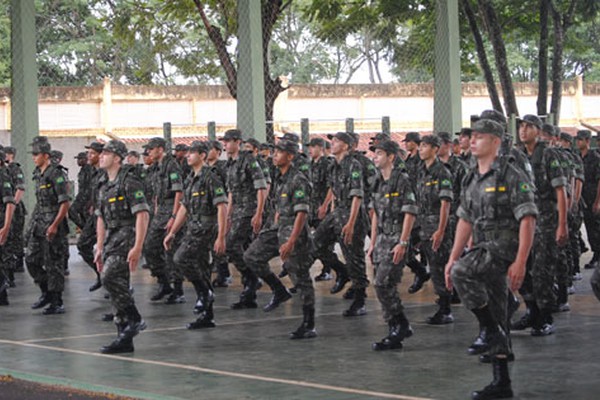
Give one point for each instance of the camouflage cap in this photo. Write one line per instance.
(343, 136)
(39, 140)
(288, 146)
(133, 153)
(412, 137)
(445, 137)
(317, 141)
(380, 136)
(3, 154)
(10, 150)
(232, 134)
(253, 142)
(56, 154)
(389, 146)
(356, 137)
(156, 142)
(494, 116)
(566, 137)
(265, 146)
(432, 140)
(488, 126)
(583, 134)
(291, 137)
(549, 130)
(82, 155)
(198, 146)
(117, 147)
(531, 119)
(96, 146)
(182, 147)
(465, 131)
(215, 144)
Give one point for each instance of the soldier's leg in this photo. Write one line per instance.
(299, 268)
(257, 256)
(221, 265)
(542, 274)
(34, 258)
(19, 226)
(85, 246)
(155, 255)
(4, 277)
(175, 272)
(129, 321)
(415, 265)
(595, 282)
(592, 226)
(54, 263)
(238, 239)
(325, 273)
(563, 280)
(437, 261)
(354, 253)
(322, 244)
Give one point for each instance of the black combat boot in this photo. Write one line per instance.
(306, 330)
(134, 324)
(500, 387)
(544, 324)
(357, 308)
(44, 299)
(443, 315)
(325, 275)
(421, 275)
(203, 296)
(562, 301)
(98, 284)
(593, 262)
(4, 293)
(283, 273)
(121, 344)
(280, 292)
(248, 295)
(349, 295)
(399, 329)
(56, 304)
(341, 273)
(223, 278)
(11, 277)
(164, 289)
(480, 344)
(206, 320)
(177, 296)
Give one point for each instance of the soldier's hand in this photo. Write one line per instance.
(322, 212)
(596, 208)
(219, 247)
(436, 240)
(3, 235)
(170, 224)
(562, 235)
(256, 223)
(285, 250)
(51, 232)
(168, 240)
(133, 258)
(516, 275)
(399, 252)
(98, 259)
(348, 233)
(370, 252)
(448, 275)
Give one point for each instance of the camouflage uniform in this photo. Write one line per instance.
(45, 258)
(220, 263)
(459, 170)
(434, 185)
(79, 210)
(166, 182)
(575, 216)
(15, 244)
(6, 197)
(591, 168)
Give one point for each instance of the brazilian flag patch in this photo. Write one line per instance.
(299, 194)
(20, 176)
(371, 167)
(254, 164)
(219, 191)
(139, 194)
(446, 182)
(60, 179)
(355, 174)
(7, 185)
(304, 167)
(174, 175)
(411, 196)
(554, 164)
(524, 187)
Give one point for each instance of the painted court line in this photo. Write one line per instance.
(260, 378)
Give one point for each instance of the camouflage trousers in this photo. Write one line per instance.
(329, 258)
(15, 244)
(87, 240)
(480, 279)
(437, 261)
(544, 266)
(329, 232)
(193, 254)
(595, 282)
(387, 276)
(116, 282)
(574, 253)
(45, 261)
(238, 239)
(266, 247)
(159, 260)
(592, 227)
(78, 213)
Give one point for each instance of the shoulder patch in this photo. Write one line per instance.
(355, 174)
(174, 175)
(254, 164)
(139, 194)
(411, 196)
(219, 191)
(60, 179)
(555, 164)
(299, 194)
(7, 185)
(304, 167)
(524, 187)
(20, 176)
(371, 167)
(446, 182)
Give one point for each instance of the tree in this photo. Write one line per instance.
(5, 60)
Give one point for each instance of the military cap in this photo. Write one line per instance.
(253, 142)
(343, 136)
(40, 146)
(133, 153)
(10, 150)
(145, 153)
(182, 147)
(455, 141)
(565, 136)
(356, 137)
(288, 146)
(291, 137)
(412, 137)
(494, 116)
(215, 144)
(380, 136)
(265, 146)
(317, 141)
(445, 137)
(465, 131)
(198, 146)
(327, 144)
(156, 142)
(56, 154)
(117, 147)
(488, 126)
(432, 140)
(232, 134)
(81, 155)
(389, 146)
(583, 134)
(39, 140)
(3, 154)
(96, 146)
(531, 119)
(549, 130)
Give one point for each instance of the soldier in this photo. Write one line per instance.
(413, 165)
(287, 238)
(551, 201)
(168, 192)
(590, 190)
(204, 206)
(47, 229)
(346, 224)
(464, 139)
(220, 264)
(150, 168)
(122, 222)
(246, 185)
(133, 157)
(87, 238)
(252, 146)
(7, 209)
(395, 208)
(435, 196)
(180, 154)
(56, 157)
(14, 245)
(78, 212)
(497, 209)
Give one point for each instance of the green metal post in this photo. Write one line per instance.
(350, 125)
(167, 132)
(305, 133)
(385, 126)
(211, 127)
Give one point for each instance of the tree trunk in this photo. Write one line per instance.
(495, 33)
(482, 56)
(542, 99)
(557, 67)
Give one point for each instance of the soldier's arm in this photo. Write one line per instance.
(142, 219)
(219, 246)
(100, 236)
(516, 271)
(323, 208)
(562, 233)
(464, 230)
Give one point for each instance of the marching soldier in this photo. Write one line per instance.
(7, 209)
(15, 244)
